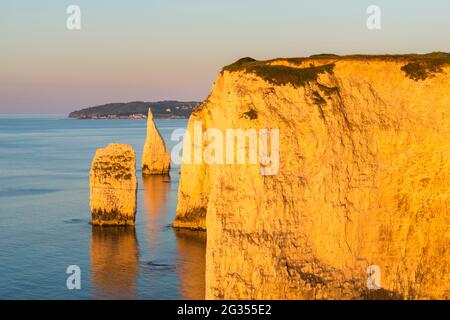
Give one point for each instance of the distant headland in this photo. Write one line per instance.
(138, 110)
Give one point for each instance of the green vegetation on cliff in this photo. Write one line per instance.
(416, 67)
(424, 66)
(279, 75)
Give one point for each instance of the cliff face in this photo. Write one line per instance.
(113, 185)
(363, 180)
(156, 158)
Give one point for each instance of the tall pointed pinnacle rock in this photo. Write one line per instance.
(156, 158)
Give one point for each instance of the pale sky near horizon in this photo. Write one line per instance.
(173, 49)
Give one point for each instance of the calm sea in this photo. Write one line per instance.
(44, 217)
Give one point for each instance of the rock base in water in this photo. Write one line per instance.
(194, 219)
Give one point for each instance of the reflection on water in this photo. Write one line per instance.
(190, 245)
(109, 261)
(114, 262)
(191, 251)
(156, 192)
(117, 272)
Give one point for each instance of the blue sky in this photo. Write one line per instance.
(172, 49)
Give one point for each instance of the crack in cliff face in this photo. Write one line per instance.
(339, 122)
(363, 180)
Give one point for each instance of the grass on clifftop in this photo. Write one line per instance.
(279, 75)
(417, 66)
(425, 66)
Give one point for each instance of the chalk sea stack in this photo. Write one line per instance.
(113, 186)
(363, 179)
(156, 158)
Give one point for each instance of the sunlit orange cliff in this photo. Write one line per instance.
(113, 186)
(363, 179)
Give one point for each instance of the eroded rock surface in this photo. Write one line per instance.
(156, 158)
(363, 180)
(113, 185)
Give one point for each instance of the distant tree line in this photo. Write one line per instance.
(160, 109)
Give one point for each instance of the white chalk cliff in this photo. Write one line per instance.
(363, 180)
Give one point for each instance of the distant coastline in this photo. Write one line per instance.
(137, 110)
